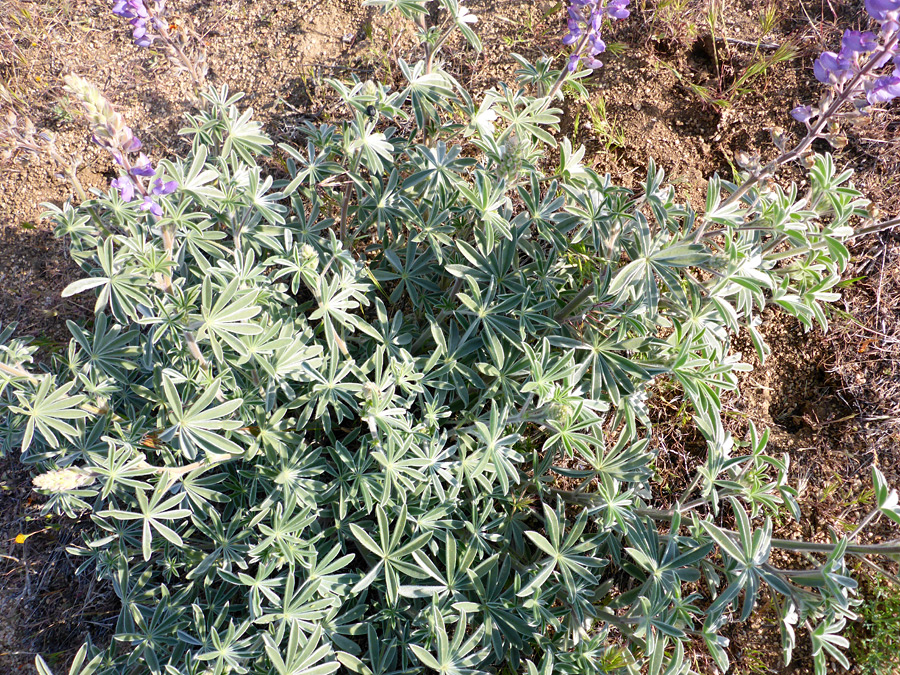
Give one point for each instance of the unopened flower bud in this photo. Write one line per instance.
(369, 88)
(308, 254)
(62, 480)
(779, 138)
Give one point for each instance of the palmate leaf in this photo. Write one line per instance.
(261, 201)
(653, 257)
(302, 656)
(316, 169)
(196, 428)
(227, 316)
(152, 514)
(390, 553)
(338, 298)
(527, 121)
(372, 146)
(827, 641)
(412, 273)
(459, 656)
(48, 412)
(244, 135)
(197, 179)
(569, 556)
(109, 350)
(297, 604)
(121, 287)
(425, 91)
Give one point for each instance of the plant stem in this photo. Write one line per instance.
(417, 345)
(579, 298)
(564, 73)
(345, 202)
(872, 515)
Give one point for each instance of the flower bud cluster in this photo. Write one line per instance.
(110, 132)
(19, 135)
(585, 21)
(16, 135)
(511, 158)
(63, 480)
(107, 125)
(861, 52)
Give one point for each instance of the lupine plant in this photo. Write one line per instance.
(389, 413)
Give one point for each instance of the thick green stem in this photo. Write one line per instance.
(575, 303)
(345, 202)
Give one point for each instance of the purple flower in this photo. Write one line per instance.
(884, 89)
(161, 188)
(149, 205)
(137, 11)
(141, 37)
(616, 9)
(122, 8)
(142, 167)
(125, 187)
(830, 68)
(883, 10)
(855, 42)
(130, 9)
(574, 23)
(802, 113)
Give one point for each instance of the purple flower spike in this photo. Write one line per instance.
(855, 42)
(141, 21)
(802, 113)
(151, 206)
(830, 68)
(585, 19)
(125, 187)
